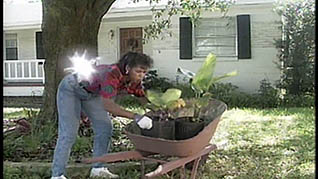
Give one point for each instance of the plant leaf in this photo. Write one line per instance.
(170, 95)
(213, 80)
(154, 97)
(203, 77)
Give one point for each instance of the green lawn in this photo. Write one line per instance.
(252, 143)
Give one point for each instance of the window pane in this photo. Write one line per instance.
(216, 35)
(11, 46)
(11, 36)
(39, 46)
(11, 43)
(11, 53)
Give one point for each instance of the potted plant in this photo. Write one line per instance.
(194, 120)
(175, 118)
(161, 106)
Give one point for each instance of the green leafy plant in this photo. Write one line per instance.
(202, 81)
(163, 104)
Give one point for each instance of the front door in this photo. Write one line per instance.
(130, 40)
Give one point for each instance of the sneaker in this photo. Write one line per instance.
(60, 177)
(102, 172)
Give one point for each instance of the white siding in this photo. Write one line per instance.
(25, 91)
(251, 71)
(26, 43)
(108, 49)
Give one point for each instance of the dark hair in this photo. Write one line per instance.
(133, 59)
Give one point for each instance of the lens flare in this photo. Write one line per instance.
(82, 67)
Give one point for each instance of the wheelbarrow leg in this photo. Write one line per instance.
(182, 172)
(195, 168)
(142, 168)
(162, 169)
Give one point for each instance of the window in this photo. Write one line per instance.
(39, 46)
(215, 35)
(225, 37)
(11, 46)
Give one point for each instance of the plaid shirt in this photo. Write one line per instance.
(109, 81)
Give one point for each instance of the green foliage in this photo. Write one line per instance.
(268, 96)
(154, 82)
(163, 100)
(298, 101)
(120, 142)
(82, 148)
(252, 143)
(193, 9)
(229, 94)
(204, 78)
(164, 104)
(297, 48)
(268, 143)
(37, 144)
(128, 101)
(202, 81)
(187, 91)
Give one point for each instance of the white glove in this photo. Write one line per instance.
(143, 122)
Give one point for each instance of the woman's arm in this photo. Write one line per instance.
(116, 110)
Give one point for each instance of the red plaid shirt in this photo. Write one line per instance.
(109, 81)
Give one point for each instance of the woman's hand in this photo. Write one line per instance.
(143, 122)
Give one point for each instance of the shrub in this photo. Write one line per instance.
(268, 96)
(154, 82)
(298, 101)
(297, 48)
(36, 145)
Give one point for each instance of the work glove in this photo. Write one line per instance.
(143, 122)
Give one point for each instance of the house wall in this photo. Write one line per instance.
(165, 53)
(26, 43)
(23, 91)
(250, 71)
(109, 48)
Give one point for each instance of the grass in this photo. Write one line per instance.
(252, 143)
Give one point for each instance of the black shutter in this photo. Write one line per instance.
(185, 38)
(39, 46)
(244, 36)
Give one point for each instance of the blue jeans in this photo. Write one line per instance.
(71, 100)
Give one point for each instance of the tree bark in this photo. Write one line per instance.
(67, 26)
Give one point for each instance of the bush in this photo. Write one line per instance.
(154, 82)
(298, 101)
(38, 144)
(297, 48)
(268, 96)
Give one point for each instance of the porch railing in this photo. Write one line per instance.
(23, 71)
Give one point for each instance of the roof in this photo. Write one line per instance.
(18, 14)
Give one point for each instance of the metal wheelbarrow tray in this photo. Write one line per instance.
(186, 151)
(181, 148)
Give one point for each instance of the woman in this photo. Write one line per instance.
(95, 98)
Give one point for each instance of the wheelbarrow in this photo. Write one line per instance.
(182, 151)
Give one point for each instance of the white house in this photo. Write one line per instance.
(246, 44)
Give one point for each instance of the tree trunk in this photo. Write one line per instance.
(67, 26)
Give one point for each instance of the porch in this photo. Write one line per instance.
(23, 77)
